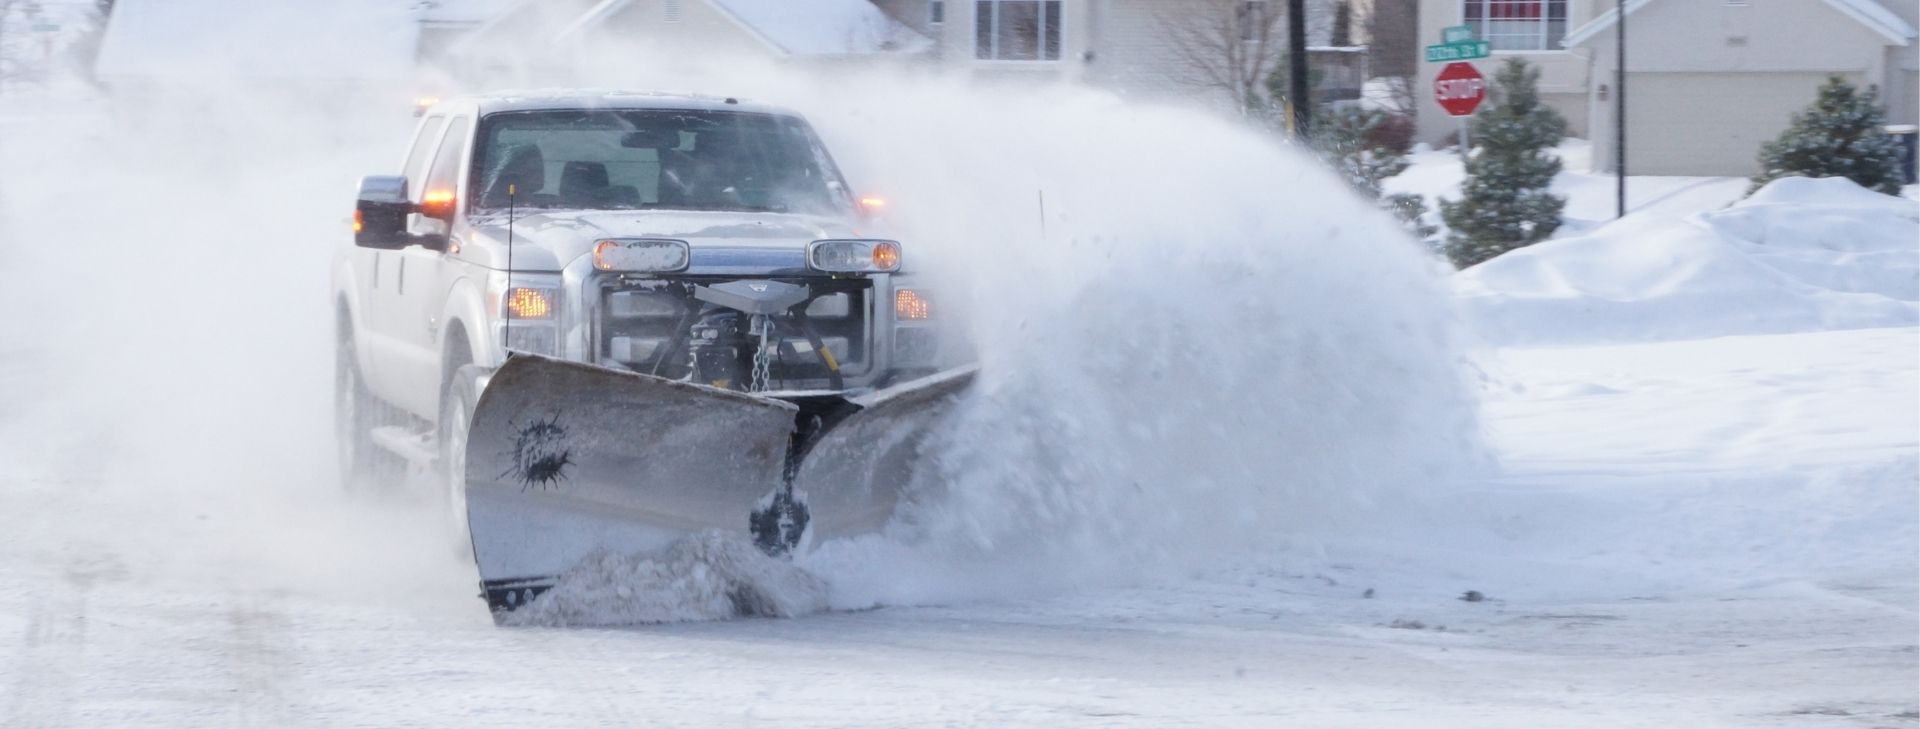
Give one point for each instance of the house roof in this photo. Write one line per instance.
(1870, 13)
(267, 39)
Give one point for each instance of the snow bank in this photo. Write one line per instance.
(1799, 255)
(710, 576)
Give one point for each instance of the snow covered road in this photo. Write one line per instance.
(1709, 533)
(1714, 531)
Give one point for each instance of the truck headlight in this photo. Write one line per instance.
(642, 255)
(854, 256)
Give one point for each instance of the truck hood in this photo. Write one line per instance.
(549, 240)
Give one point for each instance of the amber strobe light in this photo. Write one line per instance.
(909, 305)
(437, 204)
(357, 222)
(524, 303)
(886, 255)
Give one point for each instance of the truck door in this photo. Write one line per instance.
(424, 276)
(377, 271)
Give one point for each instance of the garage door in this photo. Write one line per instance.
(1709, 123)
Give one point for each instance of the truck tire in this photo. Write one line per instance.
(363, 465)
(456, 415)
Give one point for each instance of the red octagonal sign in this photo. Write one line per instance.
(1459, 88)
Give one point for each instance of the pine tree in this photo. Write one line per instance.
(1411, 209)
(1504, 201)
(1348, 139)
(1840, 135)
(1343, 138)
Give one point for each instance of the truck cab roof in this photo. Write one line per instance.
(566, 99)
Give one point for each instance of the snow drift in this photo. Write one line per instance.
(1799, 255)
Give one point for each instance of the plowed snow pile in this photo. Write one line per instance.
(1799, 255)
(710, 576)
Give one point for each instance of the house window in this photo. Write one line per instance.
(936, 12)
(1016, 30)
(1518, 25)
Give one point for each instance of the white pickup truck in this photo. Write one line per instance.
(705, 241)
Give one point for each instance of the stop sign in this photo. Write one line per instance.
(1459, 88)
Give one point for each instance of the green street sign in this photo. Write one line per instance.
(1450, 52)
(1456, 34)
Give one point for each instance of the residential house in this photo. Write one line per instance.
(1125, 45)
(1708, 81)
(1130, 46)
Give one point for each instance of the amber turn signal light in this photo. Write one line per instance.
(909, 305)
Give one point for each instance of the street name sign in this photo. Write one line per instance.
(1457, 44)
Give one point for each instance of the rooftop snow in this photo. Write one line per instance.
(825, 27)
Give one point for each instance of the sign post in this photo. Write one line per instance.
(1459, 88)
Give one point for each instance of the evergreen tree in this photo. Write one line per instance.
(1343, 24)
(1411, 209)
(1343, 137)
(1840, 135)
(1504, 202)
(1348, 140)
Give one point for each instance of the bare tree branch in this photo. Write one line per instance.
(1229, 45)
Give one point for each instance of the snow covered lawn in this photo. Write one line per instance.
(1436, 173)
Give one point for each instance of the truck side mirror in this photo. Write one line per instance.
(380, 213)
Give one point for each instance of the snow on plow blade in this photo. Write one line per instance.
(565, 459)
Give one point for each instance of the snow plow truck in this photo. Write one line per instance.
(606, 321)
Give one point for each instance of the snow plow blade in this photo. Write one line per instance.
(854, 472)
(565, 459)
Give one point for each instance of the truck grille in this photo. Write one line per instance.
(637, 322)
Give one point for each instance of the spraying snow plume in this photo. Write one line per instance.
(1195, 340)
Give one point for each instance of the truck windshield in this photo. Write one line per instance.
(625, 160)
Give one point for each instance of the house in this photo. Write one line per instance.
(1123, 45)
(1129, 46)
(1708, 81)
(432, 46)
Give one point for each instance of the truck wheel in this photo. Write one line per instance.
(363, 465)
(456, 416)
